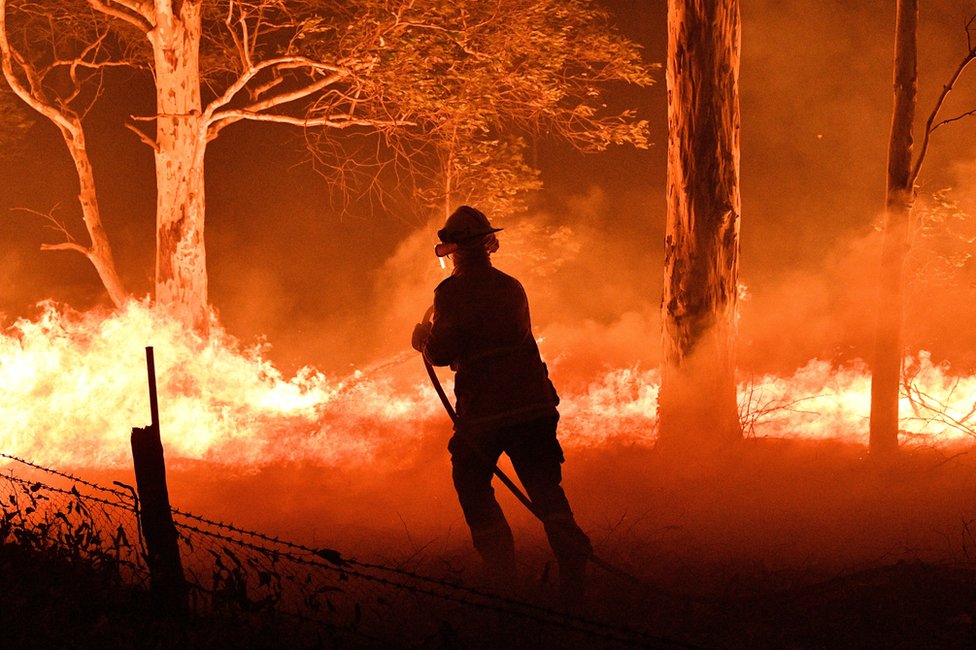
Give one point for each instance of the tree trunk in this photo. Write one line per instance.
(899, 197)
(68, 123)
(100, 252)
(181, 267)
(697, 402)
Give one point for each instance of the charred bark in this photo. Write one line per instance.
(697, 402)
(180, 146)
(899, 197)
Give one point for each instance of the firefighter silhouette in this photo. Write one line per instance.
(505, 401)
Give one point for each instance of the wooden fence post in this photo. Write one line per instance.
(155, 515)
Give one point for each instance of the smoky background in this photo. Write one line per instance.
(340, 289)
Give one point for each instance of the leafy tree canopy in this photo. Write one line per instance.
(438, 80)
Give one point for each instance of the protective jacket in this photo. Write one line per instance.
(481, 328)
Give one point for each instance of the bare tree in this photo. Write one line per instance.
(900, 193)
(697, 402)
(402, 71)
(55, 87)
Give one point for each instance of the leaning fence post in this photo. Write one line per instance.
(162, 549)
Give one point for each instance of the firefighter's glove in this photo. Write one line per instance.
(420, 335)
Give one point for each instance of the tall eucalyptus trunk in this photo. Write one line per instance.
(181, 139)
(697, 401)
(899, 197)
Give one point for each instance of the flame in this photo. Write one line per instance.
(72, 385)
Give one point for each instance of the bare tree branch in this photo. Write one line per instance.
(80, 61)
(265, 87)
(55, 224)
(130, 12)
(92, 65)
(955, 119)
(225, 118)
(929, 409)
(930, 125)
(294, 95)
(240, 42)
(66, 246)
(145, 139)
(27, 95)
(277, 63)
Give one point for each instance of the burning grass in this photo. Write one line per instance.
(748, 548)
(74, 385)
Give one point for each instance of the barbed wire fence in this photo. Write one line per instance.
(261, 580)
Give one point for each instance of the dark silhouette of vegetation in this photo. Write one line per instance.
(55, 597)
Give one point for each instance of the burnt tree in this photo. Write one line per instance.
(899, 197)
(903, 171)
(697, 402)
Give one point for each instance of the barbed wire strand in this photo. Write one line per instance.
(502, 605)
(70, 477)
(337, 564)
(74, 493)
(333, 561)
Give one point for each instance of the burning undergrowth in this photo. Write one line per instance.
(366, 450)
(74, 385)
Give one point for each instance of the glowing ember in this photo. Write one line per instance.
(73, 385)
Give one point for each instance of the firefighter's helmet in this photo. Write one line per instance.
(465, 224)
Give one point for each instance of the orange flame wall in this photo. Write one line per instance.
(74, 384)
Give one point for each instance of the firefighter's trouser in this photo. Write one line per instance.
(537, 457)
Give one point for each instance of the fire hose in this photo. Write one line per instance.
(503, 477)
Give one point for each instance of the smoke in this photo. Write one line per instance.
(825, 313)
(588, 288)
